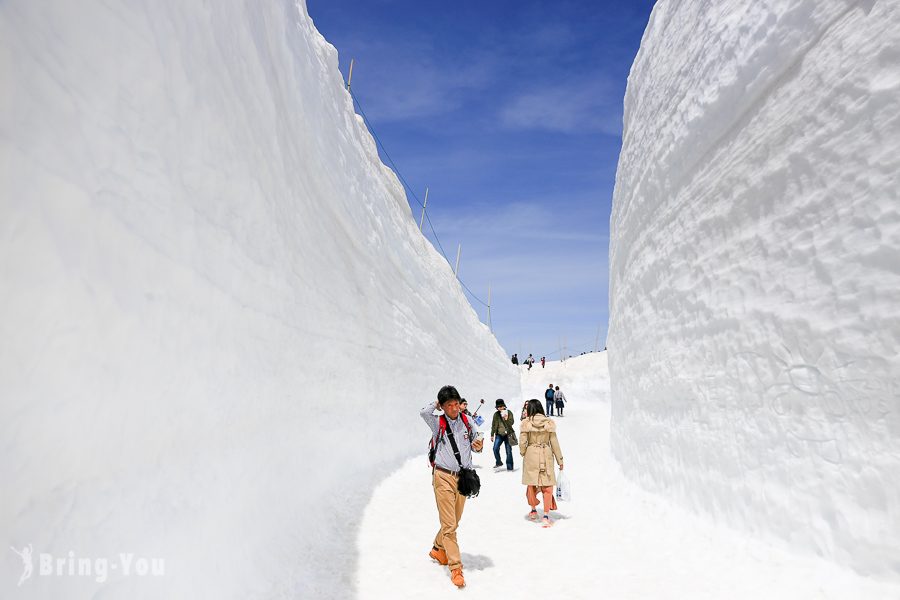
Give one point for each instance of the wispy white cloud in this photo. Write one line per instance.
(518, 220)
(577, 106)
(403, 83)
(546, 263)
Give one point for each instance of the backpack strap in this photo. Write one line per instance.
(444, 428)
(454, 446)
(466, 423)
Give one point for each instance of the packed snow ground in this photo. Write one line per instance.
(612, 541)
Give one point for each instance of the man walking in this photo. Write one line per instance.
(502, 433)
(454, 443)
(549, 400)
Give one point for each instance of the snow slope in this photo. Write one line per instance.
(215, 305)
(755, 270)
(613, 541)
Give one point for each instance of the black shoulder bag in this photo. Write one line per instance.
(469, 485)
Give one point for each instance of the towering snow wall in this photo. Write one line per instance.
(755, 270)
(218, 318)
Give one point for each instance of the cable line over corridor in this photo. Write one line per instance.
(406, 185)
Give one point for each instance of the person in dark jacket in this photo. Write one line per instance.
(549, 398)
(502, 433)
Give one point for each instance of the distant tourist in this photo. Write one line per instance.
(529, 361)
(543, 361)
(515, 359)
(464, 407)
(560, 400)
(455, 440)
(538, 446)
(549, 397)
(503, 434)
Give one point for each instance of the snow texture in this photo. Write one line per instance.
(217, 313)
(613, 540)
(755, 271)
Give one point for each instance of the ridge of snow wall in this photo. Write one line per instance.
(755, 271)
(218, 317)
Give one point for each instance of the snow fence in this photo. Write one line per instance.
(755, 270)
(218, 317)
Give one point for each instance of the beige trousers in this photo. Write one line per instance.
(450, 504)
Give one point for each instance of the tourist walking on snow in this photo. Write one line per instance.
(560, 400)
(455, 440)
(464, 407)
(529, 361)
(538, 446)
(550, 399)
(503, 434)
(543, 361)
(515, 359)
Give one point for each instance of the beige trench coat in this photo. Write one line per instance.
(538, 445)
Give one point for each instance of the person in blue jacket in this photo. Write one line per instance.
(550, 401)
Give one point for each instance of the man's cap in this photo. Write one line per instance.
(500, 403)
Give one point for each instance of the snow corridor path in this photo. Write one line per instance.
(613, 541)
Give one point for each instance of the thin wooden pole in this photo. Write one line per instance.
(350, 74)
(456, 268)
(424, 206)
(490, 325)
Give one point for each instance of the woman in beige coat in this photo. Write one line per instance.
(538, 446)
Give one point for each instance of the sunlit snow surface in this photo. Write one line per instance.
(755, 271)
(613, 541)
(217, 314)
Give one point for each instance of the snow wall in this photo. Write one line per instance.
(755, 270)
(218, 318)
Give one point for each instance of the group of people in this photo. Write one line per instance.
(454, 439)
(529, 362)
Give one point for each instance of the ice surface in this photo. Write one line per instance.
(755, 271)
(217, 315)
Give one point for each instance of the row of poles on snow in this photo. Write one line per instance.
(424, 205)
(563, 347)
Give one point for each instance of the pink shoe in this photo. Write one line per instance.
(546, 522)
(532, 515)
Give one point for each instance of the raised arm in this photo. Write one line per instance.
(429, 417)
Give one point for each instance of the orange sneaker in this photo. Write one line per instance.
(439, 555)
(457, 578)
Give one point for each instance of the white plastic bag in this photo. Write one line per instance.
(563, 487)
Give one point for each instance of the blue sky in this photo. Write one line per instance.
(510, 112)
